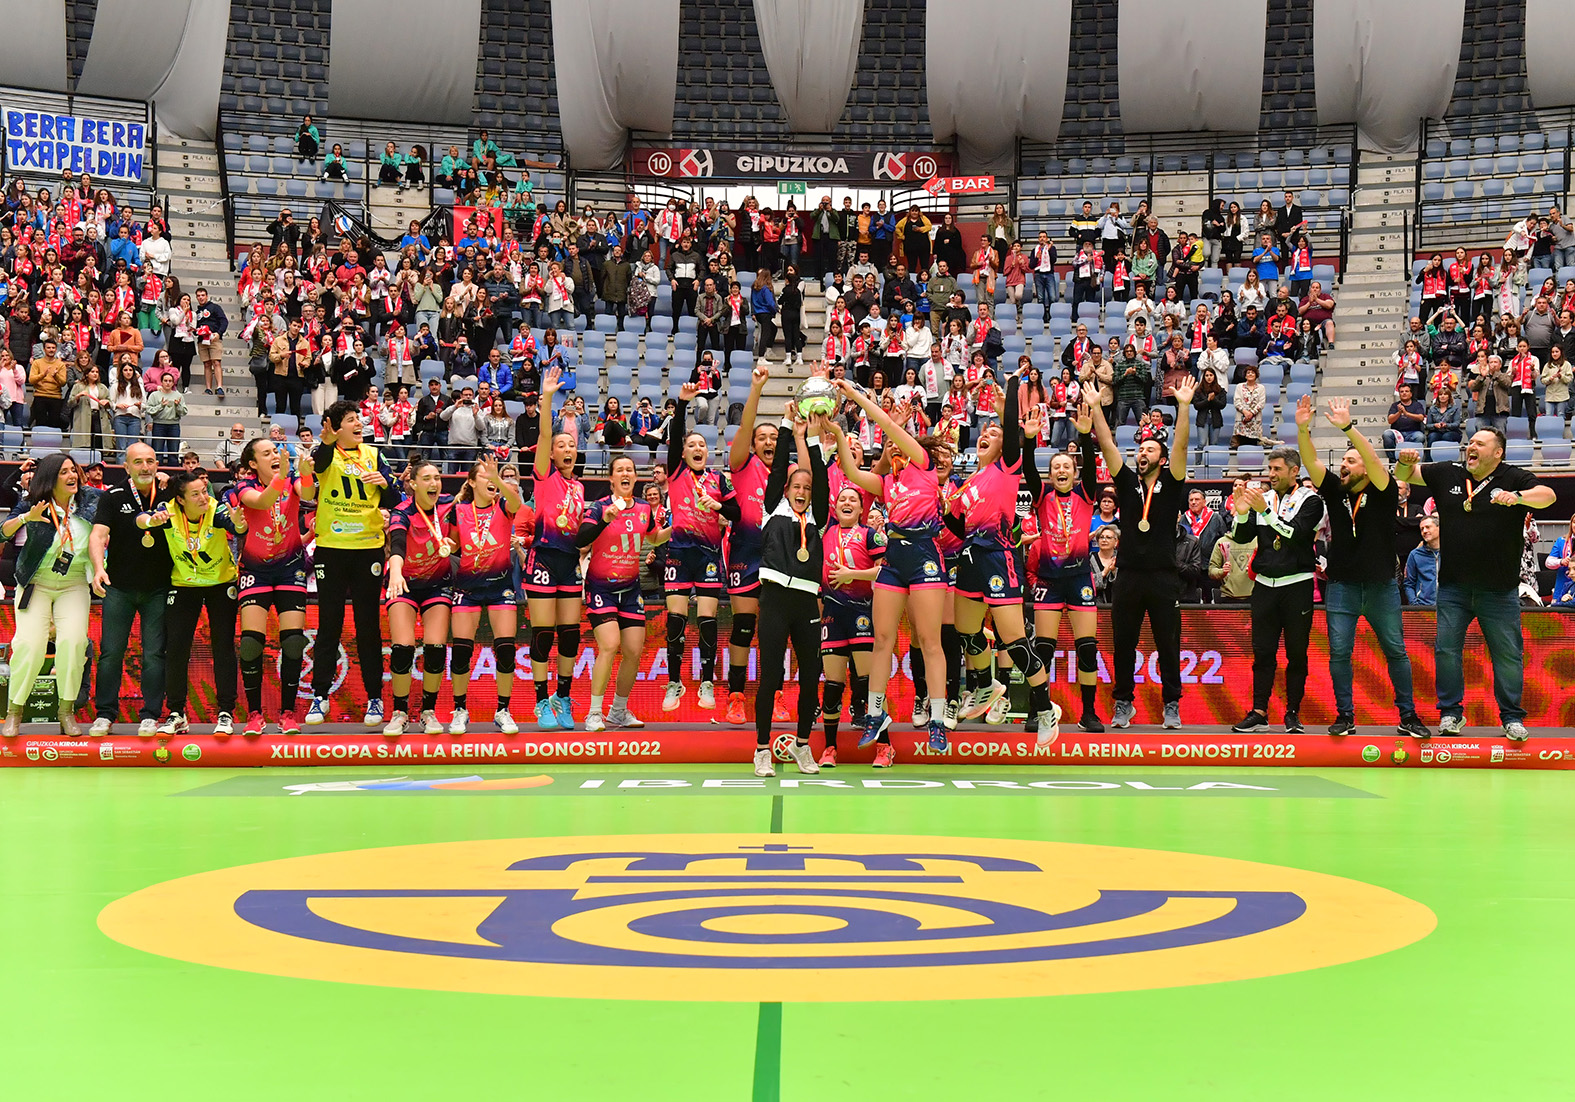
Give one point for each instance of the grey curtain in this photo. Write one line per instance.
(812, 51)
(33, 46)
(187, 102)
(1192, 66)
(1550, 52)
(616, 63)
(996, 72)
(134, 44)
(1385, 66)
(411, 60)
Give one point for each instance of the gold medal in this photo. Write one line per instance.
(445, 547)
(1143, 525)
(1467, 505)
(147, 539)
(803, 554)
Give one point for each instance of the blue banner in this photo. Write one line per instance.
(42, 141)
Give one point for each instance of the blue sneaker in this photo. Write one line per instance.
(317, 714)
(563, 709)
(938, 736)
(374, 713)
(874, 726)
(546, 718)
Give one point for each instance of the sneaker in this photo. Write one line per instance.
(254, 725)
(1293, 724)
(430, 723)
(938, 737)
(802, 758)
(1251, 722)
(780, 712)
(885, 756)
(735, 710)
(1123, 714)
(398, 723)
(317, 714)
(224, 725)
(675, 693)
(921, 712)
(997, 713)
(1172, 717)
(563, 709)
(505, 722)
(374, 713)
(1346, 725)
(288, 724)
(546, 718)
(1049, 725)
(1412, 725)
(461, 720)
(219, 393)
(874, 726)
(1452, 725)
(595, 722)
(950, 718)
(207, 390)
(983, 701)
(623, 717)
(174, 725)
(828, 758)
(147, 728)
(763, 766)
(1516, 731)
(707, 696)
(100, 727)
(1090, 721)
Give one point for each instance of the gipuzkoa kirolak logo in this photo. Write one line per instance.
(767, 918)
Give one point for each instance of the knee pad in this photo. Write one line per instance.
(833, 699)
(975, 644)
(463, 648)
(569, 641)
(1087, 654)
(677, 624)
(1045, 650)
(434, 658)
(707, 626)
(540, 644)
(1024, 657)
(743, 629)
(503, 647)
(292, 642)
(250, 648)
(401, 658)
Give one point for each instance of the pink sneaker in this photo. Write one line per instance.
(885, 756)
(254, 725)
(828, 758)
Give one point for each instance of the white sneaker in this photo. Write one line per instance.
(147, 728)
(595, 722)
(456, 726)
(998, 710)
(921, 712)
(950, 719)
(398, 724)
(623, 717)
(763, 766)
(675, 693)
(1049, 725)
(317, 713)
(430, 723)
(224, 725)
(802, 758)
(982, 700)
(374, 713)
(174, 725)
(505, 722)
(100, 727)
(707, 697)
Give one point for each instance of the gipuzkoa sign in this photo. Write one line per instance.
(849, 167)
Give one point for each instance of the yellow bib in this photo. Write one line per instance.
(349, 514)
(201, 551)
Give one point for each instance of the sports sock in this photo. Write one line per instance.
(1039, 697)
(428, 700)
(503, 702)
(937, 709)
(459, 700)
(541, 691)
(596, 705)
(877, 704)
(1089, 696)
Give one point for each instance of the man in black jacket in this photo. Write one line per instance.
(1284, 519)
(283, 230)
(577, 268)
(431, 430)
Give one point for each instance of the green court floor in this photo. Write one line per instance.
(1478, 1007)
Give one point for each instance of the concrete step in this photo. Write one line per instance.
(1389, 195)
(198, 248)
(1377, 217)
(204, 185)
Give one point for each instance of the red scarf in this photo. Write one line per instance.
(836, 348)
(981, 330)
(1118, 275)
(1434, 284)
(152, 288)
(1524, 373)
(398, 346)
(1200, 334)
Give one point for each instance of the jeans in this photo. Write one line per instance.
(1497, 613)
(1498, 421)
(1123, 405)
(1046, 290)
(1062, 433)
(1393, 438)
(1564, 257)
(430, 318)
(561, 319)
(1559, 409)
(166, 441)
(121, 606)
(1347, 602)
(16, 416)
(1447, 435)
(128, 430)
(1210, 434)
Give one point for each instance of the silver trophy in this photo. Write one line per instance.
(817, 395)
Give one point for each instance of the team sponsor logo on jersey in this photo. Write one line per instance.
(767, 918)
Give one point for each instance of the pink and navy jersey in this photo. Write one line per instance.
(988, 504)
(693, 526)
(1064, 521)
(425, 564)
(913, 499)
(618, 553)
(855, 548)
(749, 485)
(273, 535)
(560, 506)
(482, 538)
(838, 479)
(950, 542)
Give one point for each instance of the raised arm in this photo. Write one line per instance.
(776, 483)
(820, 482)
(1086, 451)
(1339, 415)
(1304, 441)
(894, 432)
(551, 383)
(1178, 449)
(1406, 469)
(867, 481)
(676, 431)
(743, 439)
(1107, 442)
(1011, 429)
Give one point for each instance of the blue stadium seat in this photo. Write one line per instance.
(1519, 452)
(1444, 452)
(1555, 453)
(1550, 427)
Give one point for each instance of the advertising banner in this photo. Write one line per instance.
(42, 141)
(835, 167)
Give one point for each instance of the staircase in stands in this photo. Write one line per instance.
(1372, 301)
(189, 175)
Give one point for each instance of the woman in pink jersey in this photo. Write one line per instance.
(852, 557)
(552, 570)
(749, 460)
(911, 578)
(272, 565)
(617, 529)
(951, 643)
(419, 568)
(480, 525)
